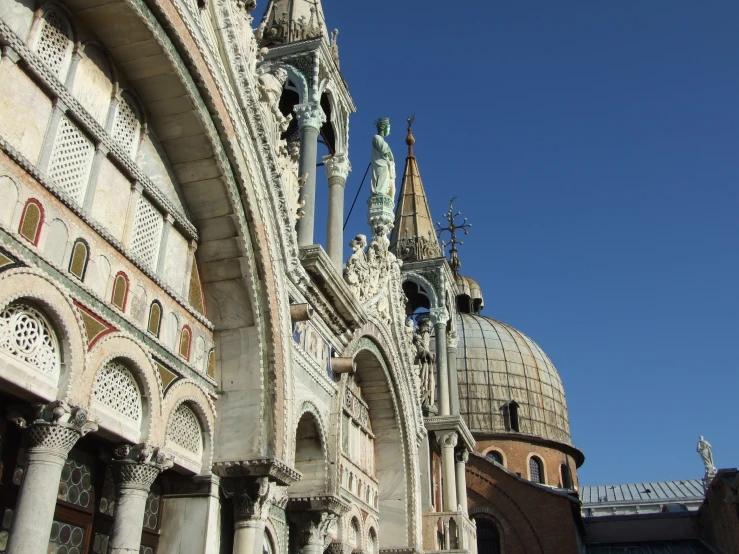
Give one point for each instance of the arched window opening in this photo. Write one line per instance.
(495, 456)
(536, 470)
(31, 221)
(127, 125)
(116, 388)
(488, 539)
(355, 535)
(185, 340)
(185, 432)
(120, 291)
(54, 44)
(310, 458)
(511, 416)
(372, 541)
(566, 477)
(27, 336)
(155, 318)
(79, 259)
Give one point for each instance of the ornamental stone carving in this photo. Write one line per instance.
(310, 114)
(251, 497)
(425, 360)
(448, 439)
(287, 158)
(413, 249)
(462, 456)
(314, 528)
(270, 83)
(337, 168)
(54, 428)
(136, 467)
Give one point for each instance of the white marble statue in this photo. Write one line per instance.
(383, 162)
(706, 452)
(426, 362)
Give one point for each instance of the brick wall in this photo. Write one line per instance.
(719, 513)
(530, 519)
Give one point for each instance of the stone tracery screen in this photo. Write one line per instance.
(54, 44)
(116, 388)
(27, 335)
(71, 160)
(184, 430)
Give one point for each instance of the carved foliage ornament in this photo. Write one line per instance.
(54, 427)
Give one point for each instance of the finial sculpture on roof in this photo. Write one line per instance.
(705, 450)
(452, 228)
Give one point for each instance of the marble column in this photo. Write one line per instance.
(461, 457)
(47, 439)
(439, 317)
(251, 498)
(337, 170)
(134, 470)
(310, 119)
(451, 358)
(448, 441)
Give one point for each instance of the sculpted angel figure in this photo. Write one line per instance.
(270, 86)
(356, 265)
(426, 360)
(383, 162)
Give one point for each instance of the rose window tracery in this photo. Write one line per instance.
(27, 335)
(116, 388)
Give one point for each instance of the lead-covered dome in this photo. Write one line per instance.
(507, 383)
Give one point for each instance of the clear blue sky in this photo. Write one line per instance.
(594, 145)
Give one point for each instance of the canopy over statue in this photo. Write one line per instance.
(383, 162)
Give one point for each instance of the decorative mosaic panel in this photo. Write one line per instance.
(75, 484)
(314, 345)
(116, 388)
(54, 44)
(184, 430)
(66, 538)
(153, 504)
(71, 158)
(126, 126)
(27, 335)
(147, 233)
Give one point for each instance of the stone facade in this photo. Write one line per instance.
(179, 359)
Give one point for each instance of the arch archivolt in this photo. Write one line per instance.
(308, 407)
(58, 306)
(120, 346)
(496, 517)
(427, 288)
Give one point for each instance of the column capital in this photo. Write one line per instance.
(462, 455)
(337, 167)
(452, 340)
(439, 316)
(310, 114)
(447, 439)
(53, 428)
(251, 497)
(136, 467)
(313, 528)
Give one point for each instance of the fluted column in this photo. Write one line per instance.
(451, 358)
(251, 498)
(448, 441)
(48, 439)
(461, 457)
(134, 470)
(337, 170)
(310, 119)
(439, 317)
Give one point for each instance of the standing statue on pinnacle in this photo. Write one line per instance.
(705, 450)
(383, 162)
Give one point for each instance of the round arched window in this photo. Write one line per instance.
(27, 335)
(116, 388)
(495, 456)
(536, 470)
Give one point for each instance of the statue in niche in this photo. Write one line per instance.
(426, 360)
(383, 162)
(706, 453)
(270, 85)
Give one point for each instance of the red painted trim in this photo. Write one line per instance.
(42, 217)
(189, 342)
(110, 328)
(125, 296)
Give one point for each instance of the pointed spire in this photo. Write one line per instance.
(413, 238)
(287, 21)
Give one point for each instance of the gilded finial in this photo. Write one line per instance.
(410, 139)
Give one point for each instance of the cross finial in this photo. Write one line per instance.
(452, 228)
